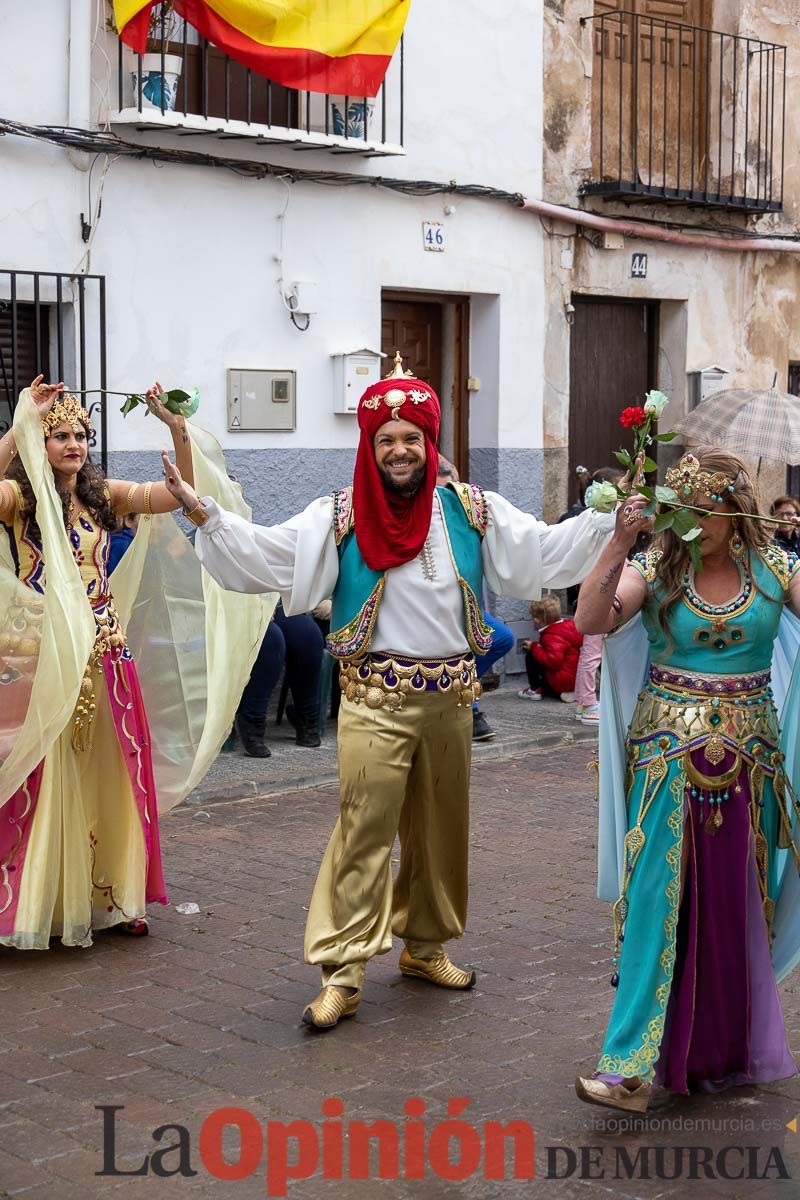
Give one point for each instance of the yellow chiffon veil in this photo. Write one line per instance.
(193, 643)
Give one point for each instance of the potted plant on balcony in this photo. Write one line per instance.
(159, 87)
(352, 118)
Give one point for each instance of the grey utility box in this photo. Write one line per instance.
(260, 400)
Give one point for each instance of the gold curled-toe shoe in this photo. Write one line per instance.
(614, 1095)
(326, 1009)
(437, 970)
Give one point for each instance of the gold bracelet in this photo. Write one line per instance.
(197, 515)
(129, 498)
(148, 487)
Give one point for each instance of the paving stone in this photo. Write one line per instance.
(205, 1013)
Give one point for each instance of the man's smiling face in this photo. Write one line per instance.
(401, 456)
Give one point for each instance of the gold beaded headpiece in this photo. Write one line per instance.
(690, 482)
(66, 410)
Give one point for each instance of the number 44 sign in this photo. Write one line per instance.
(639, 266)
(433, 235)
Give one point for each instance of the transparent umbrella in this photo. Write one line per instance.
(755, 424)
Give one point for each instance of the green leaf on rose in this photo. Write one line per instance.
(650, 465)
(683, 523)
(130, 404)
(663, 521)
(623, 457)
(644, 490)
(666, 495)
(692, 534)
(665, 437)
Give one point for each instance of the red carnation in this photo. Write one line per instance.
(632, 418)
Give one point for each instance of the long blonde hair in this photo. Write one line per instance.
(676, 554)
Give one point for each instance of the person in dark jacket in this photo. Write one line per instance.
(551, 662)
(786, 536)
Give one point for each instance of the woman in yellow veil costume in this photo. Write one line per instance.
(115, 692)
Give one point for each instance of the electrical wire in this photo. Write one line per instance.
(103, 142)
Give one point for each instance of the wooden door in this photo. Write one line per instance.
(612, 364)
(649, 92)
(415, 329)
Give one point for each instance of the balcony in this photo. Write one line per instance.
(686, 114)
(185, 84)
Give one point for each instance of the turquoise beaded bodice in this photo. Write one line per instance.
(735, 638)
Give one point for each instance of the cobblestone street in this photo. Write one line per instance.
(205, 1013)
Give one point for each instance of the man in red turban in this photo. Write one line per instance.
(405, 563)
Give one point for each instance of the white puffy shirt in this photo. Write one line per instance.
(421, 613)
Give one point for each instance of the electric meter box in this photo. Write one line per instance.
(353, 373)
(261, 400)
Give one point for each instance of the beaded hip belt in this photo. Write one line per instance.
(695, 684)
(384, 679)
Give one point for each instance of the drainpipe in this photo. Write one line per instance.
(80, 75)
(657, 233)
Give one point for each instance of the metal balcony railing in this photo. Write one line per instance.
(683, 113)
(185, 82)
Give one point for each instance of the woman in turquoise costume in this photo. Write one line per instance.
(698, 821)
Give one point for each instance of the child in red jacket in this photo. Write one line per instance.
(551, 662)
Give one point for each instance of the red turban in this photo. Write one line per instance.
(390, 528)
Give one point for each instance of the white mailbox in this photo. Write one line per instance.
(261, 400)
(353, 373)
(704, 383)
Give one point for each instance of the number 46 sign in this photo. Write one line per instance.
(433, 235)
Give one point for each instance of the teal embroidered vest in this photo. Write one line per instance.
(358, 592)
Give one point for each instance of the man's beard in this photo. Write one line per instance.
(411, 485)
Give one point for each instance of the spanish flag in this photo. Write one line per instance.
(338, 46)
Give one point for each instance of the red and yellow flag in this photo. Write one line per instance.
(338, 46)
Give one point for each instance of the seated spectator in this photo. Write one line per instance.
(121, 539)
(296, 645)
(786, 536)
(551, 662)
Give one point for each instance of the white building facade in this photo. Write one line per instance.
(191, 270)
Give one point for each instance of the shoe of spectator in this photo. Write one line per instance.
(590, 715)
(481, 729)
(530, 694)
(567, 697)
(252, 734)
(229, 745)
(490, 681)
(306, 733)
(305, 729)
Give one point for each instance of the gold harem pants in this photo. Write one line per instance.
(403, 772)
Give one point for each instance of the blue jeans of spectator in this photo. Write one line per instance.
(293, 642)
(503, 640)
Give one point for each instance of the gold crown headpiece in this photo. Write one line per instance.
(66, 410)
(688, 481)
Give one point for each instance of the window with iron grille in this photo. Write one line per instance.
(54, 325)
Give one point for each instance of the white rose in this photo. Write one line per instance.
(601, 496)
(655, 403)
